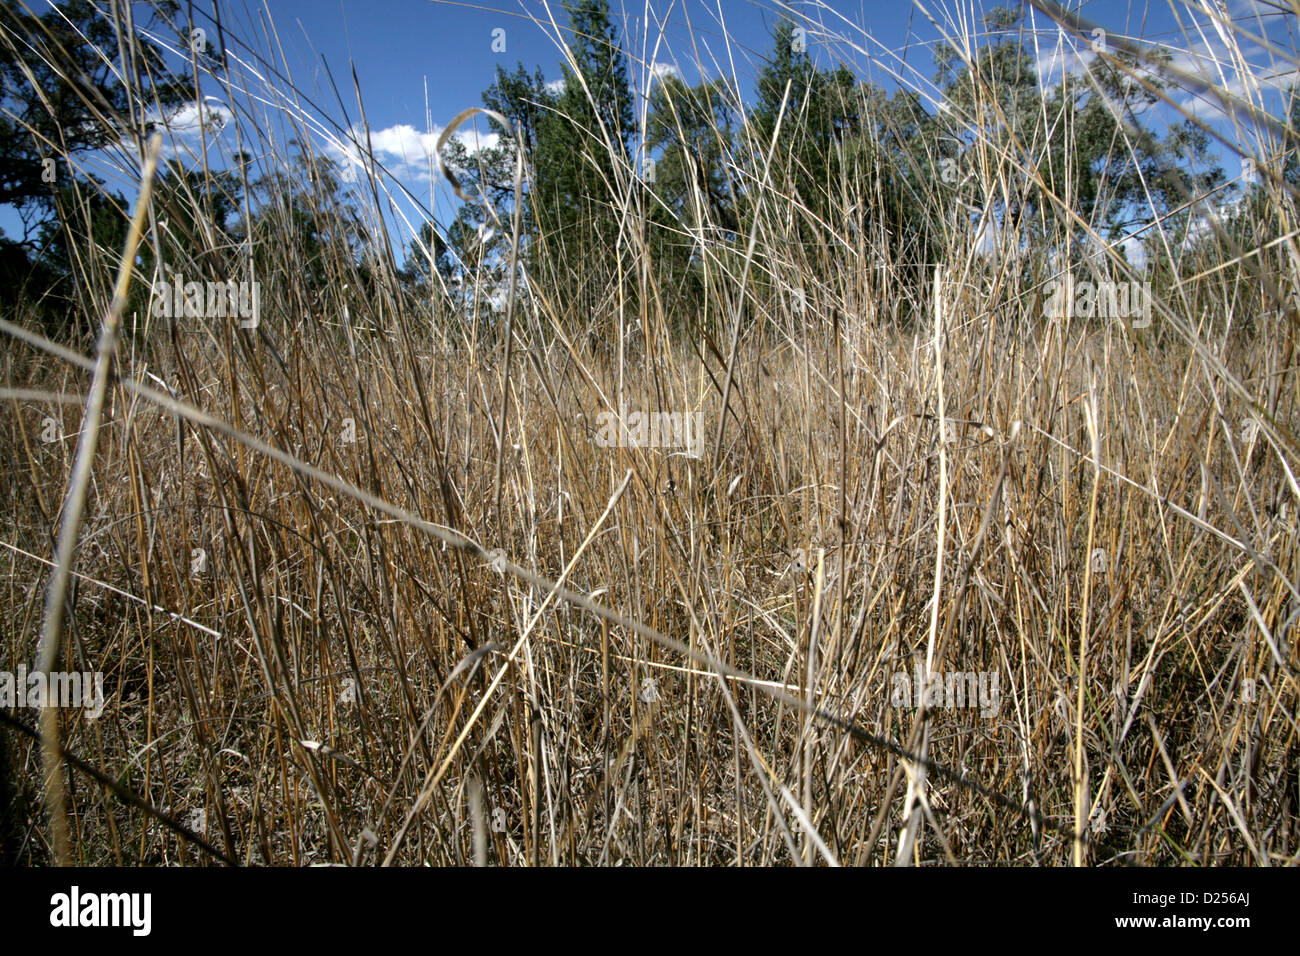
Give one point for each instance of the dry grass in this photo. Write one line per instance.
(347, 675)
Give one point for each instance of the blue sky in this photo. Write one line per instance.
(419, 62)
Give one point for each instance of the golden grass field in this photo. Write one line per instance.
(365, 588)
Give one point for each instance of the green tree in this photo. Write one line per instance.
(582, 150)
(846, 161)
(477, 250)
(1291, 162)
(426, 256)
(800, 154)
(1098, 155)
(62, 96)
(693, 127)
(301, 216)
(195, 210)
(522, 99)
(475, 241)
(692, 131)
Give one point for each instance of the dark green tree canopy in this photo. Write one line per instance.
(588, 131)
(60, 96)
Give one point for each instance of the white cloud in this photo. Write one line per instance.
(1070, 55)
(189, 120)
(186, 127)
(404, 150)
(1056, 61)
(556, 86)
(1203, 53)
(1219, 54)
(664, 70)
(1253, 84)
(1134, 251)
(402, 141)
